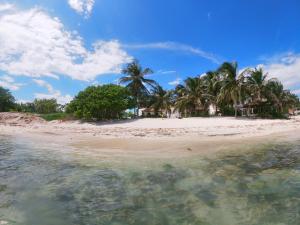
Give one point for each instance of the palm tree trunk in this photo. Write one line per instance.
(235, 109)
(137, 106)
(137, 111)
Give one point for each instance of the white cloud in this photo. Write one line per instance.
(166, 71)
(83, 7)
(34, 44)
(6, 7)
(285, 67)
(174, 46)
(162, 72)
(45, 84)
(52, 93)
(9, 83)
(175, 82)
(96, 83)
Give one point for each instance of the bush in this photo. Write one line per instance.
(101, 102)
(57, 116)
(25, 107)
(45, 106)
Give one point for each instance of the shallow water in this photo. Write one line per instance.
(41, 186)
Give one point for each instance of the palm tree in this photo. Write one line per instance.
(162, 100)
(256, 85)
(136, 82)
(280, 98)
(232, 84)
(212, 86)
(190, 96)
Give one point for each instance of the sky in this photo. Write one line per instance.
(54, 49)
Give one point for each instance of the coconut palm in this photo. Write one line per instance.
(278, 97)
(256, 85)
(212, 86)
(136, 82)
(190, 96)
(232, 84)
(162, 100)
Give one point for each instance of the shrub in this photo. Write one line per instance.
(101, 102)
(57, 116)
(45, 106)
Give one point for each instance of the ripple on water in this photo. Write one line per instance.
(261, 187)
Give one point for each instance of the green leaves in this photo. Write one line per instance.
(101, 102)
(136, 82)
(6, 100)
(45, 106)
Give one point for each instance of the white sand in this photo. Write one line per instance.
(156, 127)
(148, 138)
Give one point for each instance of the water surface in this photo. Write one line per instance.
(41, 186)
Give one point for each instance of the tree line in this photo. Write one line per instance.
(41, 106)
(229, 91)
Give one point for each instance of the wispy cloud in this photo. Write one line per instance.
(9, 83)
(83, 7)
(6, 7)
(174, 46)
(166, 71)
(52, 93)
(175, 82)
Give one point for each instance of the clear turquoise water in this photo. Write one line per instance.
(41, 186)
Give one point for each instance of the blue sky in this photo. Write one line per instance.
(57, 48)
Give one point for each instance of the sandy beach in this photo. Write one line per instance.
(149, 127)
(161, 138)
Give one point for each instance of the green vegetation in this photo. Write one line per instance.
(248, 93)
(7, 101)
(57, 116)
(161, 99)
(40, 106)
(46, 106)
(137, 83)
(101, 102)
(28, 107)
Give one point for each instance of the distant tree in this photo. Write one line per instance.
(212, 86)
(256, 84)
(45, 106)
(25, 107)
(232, 83)
(7, 100)
(162, 100)
(101, 102)
(136, 82)
(191, 97)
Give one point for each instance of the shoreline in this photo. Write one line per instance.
(149, 127)
(158, 138)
